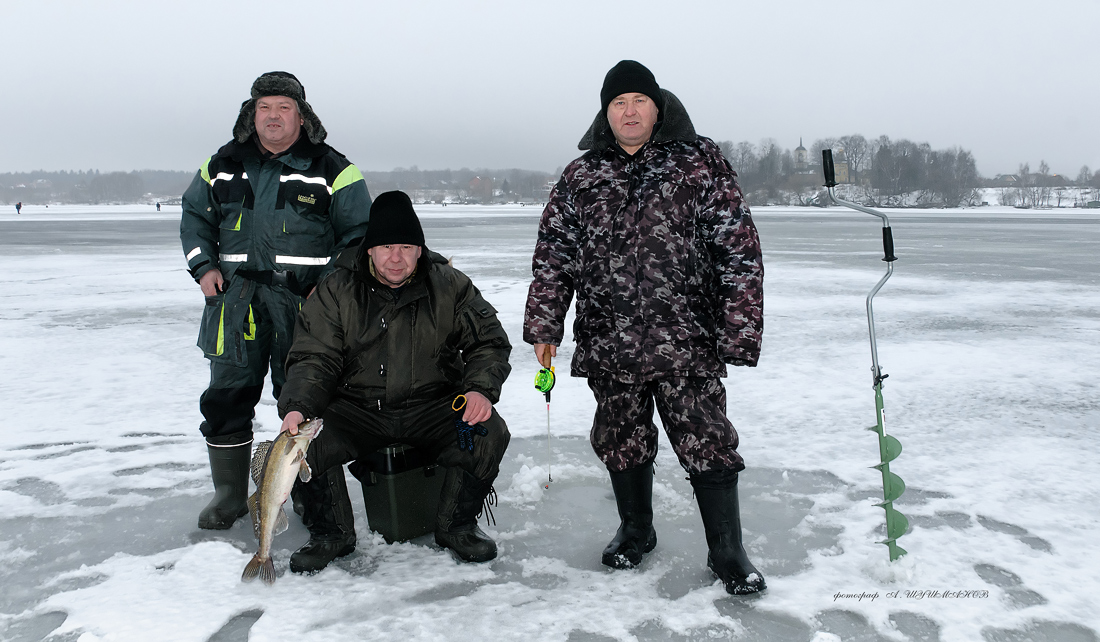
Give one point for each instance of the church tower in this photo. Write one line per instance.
(801, 157)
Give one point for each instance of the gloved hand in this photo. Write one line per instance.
(465, 431)
(466, 434)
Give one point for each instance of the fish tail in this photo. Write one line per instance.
(256, 567)
(267, 572)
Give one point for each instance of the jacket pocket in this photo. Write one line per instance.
(307, 200)
(221, 331)
(212, 327)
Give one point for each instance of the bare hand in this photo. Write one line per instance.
(544, 352)
(478, 408)
(212, 282)
(291, 421)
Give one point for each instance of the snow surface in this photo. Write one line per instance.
(988, 329)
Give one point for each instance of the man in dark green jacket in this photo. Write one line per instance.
(382, 352)
(263, 222)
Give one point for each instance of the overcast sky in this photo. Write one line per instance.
(140, 85)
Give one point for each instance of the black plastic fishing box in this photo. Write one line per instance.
(401, 491)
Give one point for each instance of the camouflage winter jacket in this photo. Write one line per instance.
(661, 252)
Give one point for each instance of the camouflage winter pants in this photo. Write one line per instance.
(693, 410)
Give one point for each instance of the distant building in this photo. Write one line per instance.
(840, 165)
(801, 158)
(806, 174)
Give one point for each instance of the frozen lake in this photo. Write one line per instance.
(988, 330)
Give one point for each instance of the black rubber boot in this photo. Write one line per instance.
(229, 472)
(634, 498)
(328, 517)
(461, 502)
(716, 492)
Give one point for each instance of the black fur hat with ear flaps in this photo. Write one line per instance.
(278, 83)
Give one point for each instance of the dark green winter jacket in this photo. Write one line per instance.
(363, 341)
(293, 213)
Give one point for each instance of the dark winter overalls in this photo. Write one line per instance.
(273, 227)
(382, 366)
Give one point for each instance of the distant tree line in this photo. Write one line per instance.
(454, 186)
(465, 185)
(92, 186)
(889, 173)
(1029, 189)
(881, 172)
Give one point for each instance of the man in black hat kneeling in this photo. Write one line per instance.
(381, 352)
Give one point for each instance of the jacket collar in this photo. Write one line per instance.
(299, 156)
(414, 289)
(674, 124)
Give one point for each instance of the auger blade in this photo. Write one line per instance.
(895, 551)
(896, 524)
(892, 487)
(892, 447)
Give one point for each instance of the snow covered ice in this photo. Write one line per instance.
(988, 330)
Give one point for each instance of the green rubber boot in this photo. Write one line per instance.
(229, 472)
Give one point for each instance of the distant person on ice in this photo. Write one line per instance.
(158, 206)
(19, 207)
(650, 231)
(263, 222)
(381, 353)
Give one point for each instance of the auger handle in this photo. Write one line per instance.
(827, 166)
(888, 245)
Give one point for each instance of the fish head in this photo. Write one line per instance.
(310, 428)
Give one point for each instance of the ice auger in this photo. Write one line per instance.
(888, 446)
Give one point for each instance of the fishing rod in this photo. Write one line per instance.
(544, 383)
(889, 446)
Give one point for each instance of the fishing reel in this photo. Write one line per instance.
(545, 380)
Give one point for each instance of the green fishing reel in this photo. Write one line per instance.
(544, 381)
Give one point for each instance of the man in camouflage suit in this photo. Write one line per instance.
(650, 231)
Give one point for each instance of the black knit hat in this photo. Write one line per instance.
(278, 83)
(393, 222)
(629, 77)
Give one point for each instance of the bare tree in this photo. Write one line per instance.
(1009, 196)
(820, 144)
(770, 164)
(1034, 189)
(744, 157)
(727, 149)
(856, 148)
(952, 177)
